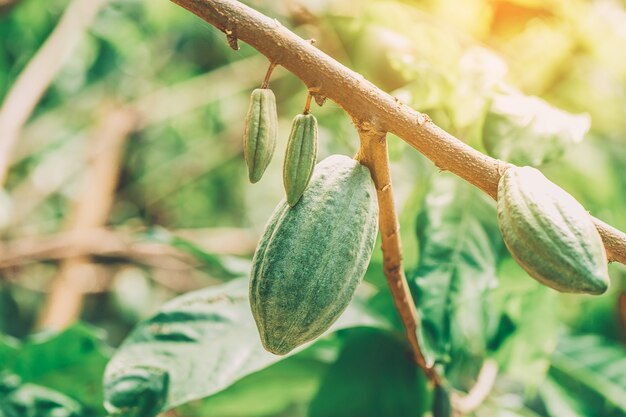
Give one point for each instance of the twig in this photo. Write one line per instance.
(364, 101)
(64, 301)
(268, 75)
(307, 104)
(6, 5)
(96, 242)
(373, 154)
(480, 391)
(105, 243)
(34, 80)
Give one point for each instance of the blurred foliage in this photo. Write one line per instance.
(519, 79)
(459, 247)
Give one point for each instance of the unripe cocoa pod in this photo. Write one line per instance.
(259, 137)
(311, 257)
(550, 234)
(300, 156)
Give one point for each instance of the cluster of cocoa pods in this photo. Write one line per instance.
(317, 244)
(260, 142)
(319, 240)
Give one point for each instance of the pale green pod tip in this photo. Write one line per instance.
(260, 132)
(550, 234)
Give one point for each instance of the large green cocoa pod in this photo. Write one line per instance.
(300, 156)
(311, 257)
(550, 234)
(259, 137)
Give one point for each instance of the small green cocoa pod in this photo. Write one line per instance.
(311, 257)
(300, 156)
(550, 234)
(259, 137)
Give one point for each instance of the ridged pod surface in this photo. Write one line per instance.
(312, 257)
(259, 137)
(300, 156)
(550, 234)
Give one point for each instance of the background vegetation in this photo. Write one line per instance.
(128, 187)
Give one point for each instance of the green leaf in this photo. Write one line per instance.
(9, 348)
(71, 361)
(373, 376)
(594, 369)
(459, 247)
(531, 309)
(526, 130)
(289, 383)
(197, 345)
(442, 407)
(29, 400)
(9, 311)
(480, 71)
(559, 403)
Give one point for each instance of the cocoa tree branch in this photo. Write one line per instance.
(373, 154)
(362, 100)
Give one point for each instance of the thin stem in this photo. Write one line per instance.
(373, 154)
(480, 391)
(307, 105)
(268, 74)
(363, 100)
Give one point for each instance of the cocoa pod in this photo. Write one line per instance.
(550, 234)
(300, 156)
(312, 257)
(259, 138)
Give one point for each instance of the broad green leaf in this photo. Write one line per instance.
(526, 130)
(9, 348)
(531, 309)
(29, 400)
(442, 407)
(197, 345)
(71, 362)
(459, 246)
(594, 369)
(559, 403)
(481, 70)
(373, 376)
(507, 399)
(9, 311)
(269, 392)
